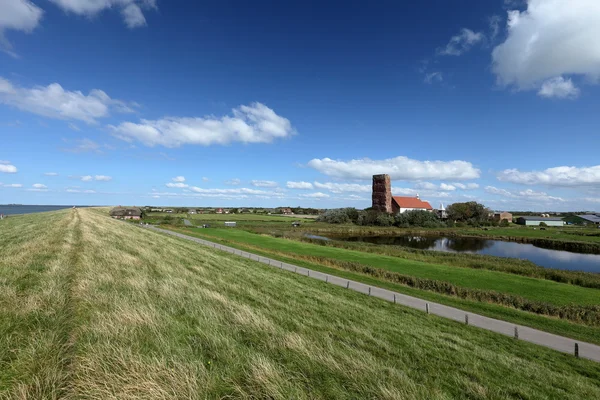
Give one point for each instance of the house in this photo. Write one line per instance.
(168, 211)
(126, 212)
(536, 221)
(286, 211)
(191, 211)
(402, 204)
(499, 216)
(385, 202)
(219, 211)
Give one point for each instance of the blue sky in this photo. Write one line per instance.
(298, 103)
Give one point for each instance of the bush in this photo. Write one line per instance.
(335, 216)
(418, 218)
(504, 223)
(543, 224)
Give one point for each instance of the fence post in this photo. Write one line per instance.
(296, 270)
(308, 273)
(369, 290)
(269, 261)
(427, 308)
(394, 298)
(467, 319)
(577, 350)
(281, 266)
(326, 278)
(516, 332)
(348, 285)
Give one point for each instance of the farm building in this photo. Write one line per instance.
(535, 221)
(219, 211)
(499, 216)
(191, 211)
(231, 224)
(126, 212)
(286, 211)
(384, 201)
(586, 219)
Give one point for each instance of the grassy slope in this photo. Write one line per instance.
(531, 288)
(95, 308)
(544, 323)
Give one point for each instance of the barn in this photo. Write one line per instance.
(536, 221)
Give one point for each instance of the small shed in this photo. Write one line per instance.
(499, 216)
(536, 221)
(230, 224)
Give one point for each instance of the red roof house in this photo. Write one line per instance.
(401, 204)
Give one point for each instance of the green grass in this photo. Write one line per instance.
(92, 308)
(530, 288)
(545, 323)
(577, 234)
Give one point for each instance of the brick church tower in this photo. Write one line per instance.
(382, 193)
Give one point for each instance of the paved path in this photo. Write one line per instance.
(560, 343)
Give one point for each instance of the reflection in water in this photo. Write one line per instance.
(543, 257)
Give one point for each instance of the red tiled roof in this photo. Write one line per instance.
(411, 202)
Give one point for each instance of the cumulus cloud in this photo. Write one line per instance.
(7, 167)
(205, 179)
(80, 191)
(176, 185)
(50, 173)
(399, 168)
(102, 178)
(83, 146)
(343, 187)
(53, 101)
(255, 123)
(18, 15)
(248, 191)
(299, 185)
(317, 195)
(179, 179)
(233, 182)
(39, 186)
(468, 186)
(13, 185)
(89, 178)
(131, 10)
(461, 43)
(526, 195)
(258, 183)
(548, 40)
(557, 176)
(560, 88)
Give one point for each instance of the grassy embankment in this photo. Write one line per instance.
(341, 262)
(94, 308)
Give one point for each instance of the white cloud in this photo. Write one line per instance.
(102, 178)
(131, 10)
(433, 77)
(179, 179)
(234, 191)
(399, 168)
(462, 42)
(317, 195)
(526, 195)
(560, 88)
(50, 173)
(13, 185)
(256, 123)
(445, 186)
(80, 191)
(87, 178)
(53, 101)
(299, 185)
(549, 39)
(176, 185)
(343, 187)
(39, 186)
(205, 179)
(258, 183)
(557, 176)
(8, 168)
(233, 182)
(494, 26)
(18, 15)
(83, 146)
(468, 186)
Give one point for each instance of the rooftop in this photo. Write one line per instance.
(541, 218)
(411, 202)
(590, 217)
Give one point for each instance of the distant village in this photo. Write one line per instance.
(382, 201)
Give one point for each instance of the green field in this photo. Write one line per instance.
(93, 308)
(539, 290)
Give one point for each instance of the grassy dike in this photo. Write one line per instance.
(301, 254)
(94, 308)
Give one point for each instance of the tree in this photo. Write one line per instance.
(543, 224)
(470, 212)
(504, 223)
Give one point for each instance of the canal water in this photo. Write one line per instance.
(547, 258)
(12, 209)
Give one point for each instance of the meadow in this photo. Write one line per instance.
(94, 308)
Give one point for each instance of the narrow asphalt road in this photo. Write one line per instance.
(560, 343)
